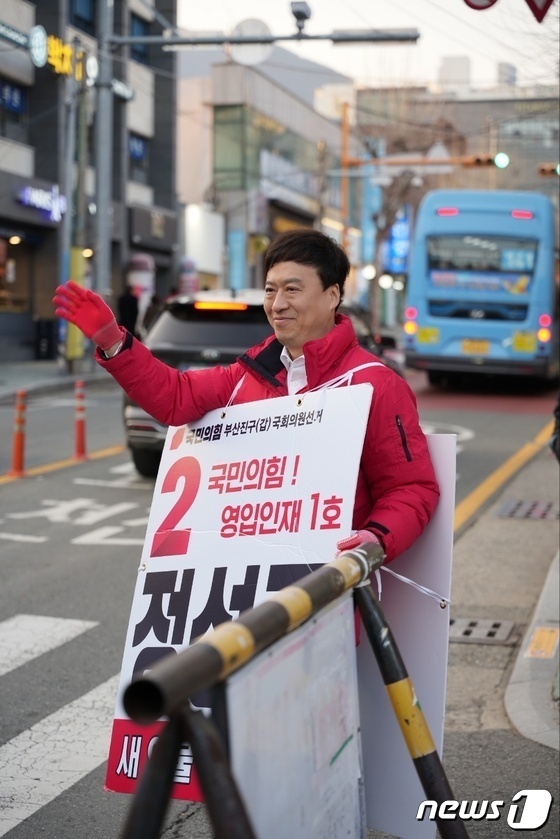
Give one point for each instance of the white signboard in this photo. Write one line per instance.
(283, 472)
(294, 732)
(420, 627)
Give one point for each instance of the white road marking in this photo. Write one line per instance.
(47, 759)
(129, 479)
(123, 468)
(105, 536)
(119, 483)
(25, 637)
(91, 511)
(20, 537)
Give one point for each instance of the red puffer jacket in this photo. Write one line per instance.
(397, 491)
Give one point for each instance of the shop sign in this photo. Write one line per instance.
(38, 48)
(155, 228)
(12, 97)
(60, 55)
(122, 89)
(14, 36)
(49, 201)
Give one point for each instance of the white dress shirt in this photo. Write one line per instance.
(297, 376)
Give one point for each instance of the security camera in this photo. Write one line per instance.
(301, 12)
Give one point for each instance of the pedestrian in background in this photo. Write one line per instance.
(128, 310)
(313, 347)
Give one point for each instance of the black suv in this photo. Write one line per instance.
(194, 331)
(202, 330)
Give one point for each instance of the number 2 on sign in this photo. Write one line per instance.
(167, 541)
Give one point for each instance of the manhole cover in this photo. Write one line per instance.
(521, 509)
(481, 631)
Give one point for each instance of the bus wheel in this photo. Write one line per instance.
(435, 377)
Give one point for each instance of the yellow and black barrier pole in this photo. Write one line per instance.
(226, 809)
(168, 686)
(152, 795)
(407, 709)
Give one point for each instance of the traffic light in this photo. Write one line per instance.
(547, 170)
(477, 160)
(472, 161)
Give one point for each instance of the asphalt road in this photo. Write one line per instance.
(70, 541)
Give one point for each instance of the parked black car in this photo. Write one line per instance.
(203, 330)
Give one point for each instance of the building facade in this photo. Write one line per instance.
(522, 122)
(49, 156)
(255, 151)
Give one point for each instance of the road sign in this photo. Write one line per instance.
(539, 8)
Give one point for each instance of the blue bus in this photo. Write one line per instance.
(482, 296)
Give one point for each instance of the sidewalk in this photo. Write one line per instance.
(531, 698)
(44, 376)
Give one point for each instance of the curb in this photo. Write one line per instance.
(531, 697)
(65, 382)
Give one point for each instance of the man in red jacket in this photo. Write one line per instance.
(312, 348)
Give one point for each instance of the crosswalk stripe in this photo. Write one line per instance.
(45, 760)
(25, 637)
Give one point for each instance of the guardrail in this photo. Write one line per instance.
(165, 690)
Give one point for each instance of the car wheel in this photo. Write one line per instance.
(146, 462)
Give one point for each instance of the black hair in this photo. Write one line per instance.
(307, 246)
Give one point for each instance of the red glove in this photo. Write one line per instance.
(89, 313)
(358, 538)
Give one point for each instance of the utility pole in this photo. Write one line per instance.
(70, 149)
(322, 183)
(344, 185)
(103, 151)
(393, 197)
(74, 338)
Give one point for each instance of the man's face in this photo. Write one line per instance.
(297, 306)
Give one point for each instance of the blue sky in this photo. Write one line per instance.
(507, 32)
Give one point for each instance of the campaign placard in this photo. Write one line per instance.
(283, 472)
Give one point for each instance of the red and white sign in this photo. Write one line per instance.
(480, 5)
(282, 471)
(538, 7)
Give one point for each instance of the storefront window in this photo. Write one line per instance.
(14, 276)
(241, 134)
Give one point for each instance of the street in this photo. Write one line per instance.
(70, 540)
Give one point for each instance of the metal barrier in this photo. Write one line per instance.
(168, 686)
